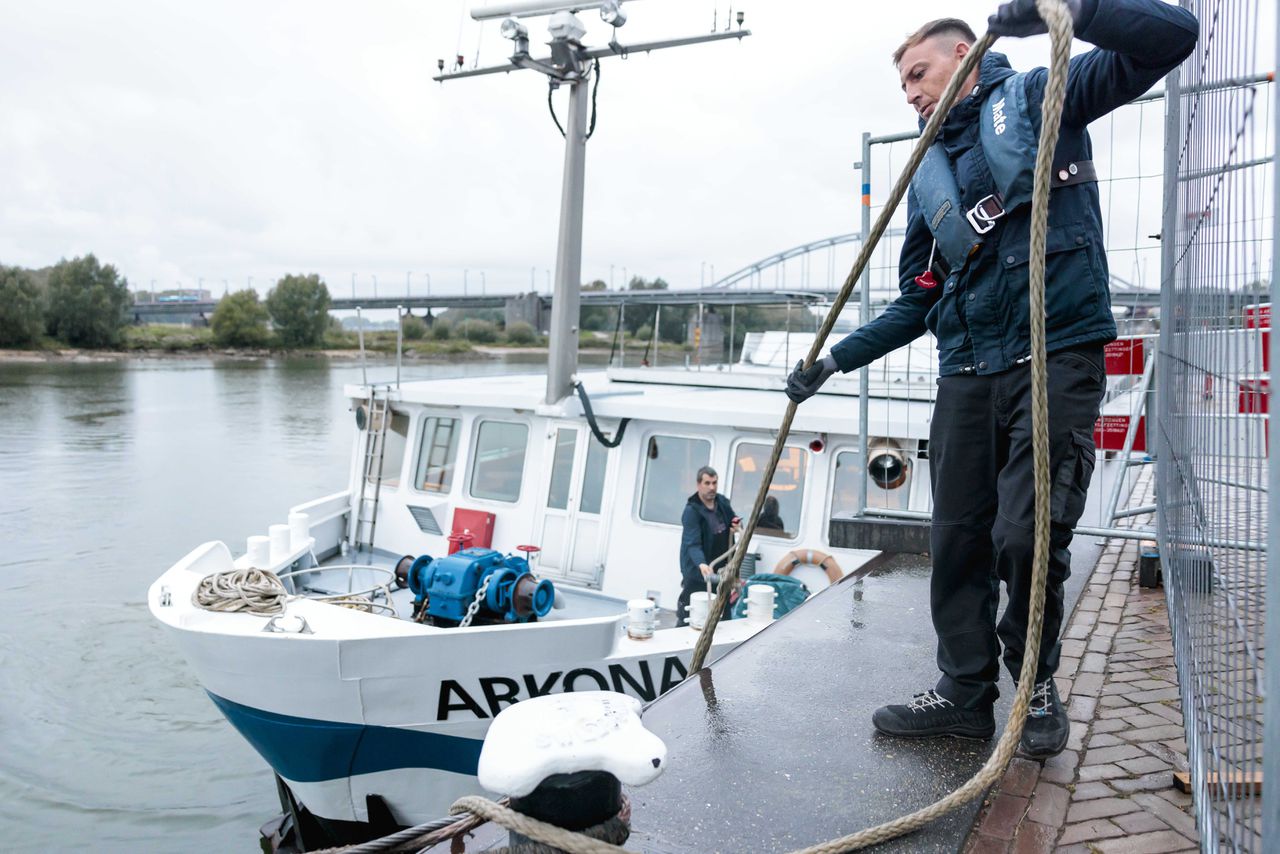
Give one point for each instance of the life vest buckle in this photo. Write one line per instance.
(985, 213)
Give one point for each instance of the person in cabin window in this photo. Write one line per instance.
(770, 517)
(963, 277)
(707, 523)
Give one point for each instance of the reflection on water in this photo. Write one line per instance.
(108, 474)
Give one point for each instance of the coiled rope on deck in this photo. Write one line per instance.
(254, 591)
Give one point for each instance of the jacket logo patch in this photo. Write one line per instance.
(942, 211)
(998, 118)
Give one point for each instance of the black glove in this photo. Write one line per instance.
(804, 384)
(1019, 18)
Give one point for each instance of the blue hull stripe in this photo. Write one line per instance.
(310, 751)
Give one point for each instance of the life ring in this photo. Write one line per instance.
(811, 557)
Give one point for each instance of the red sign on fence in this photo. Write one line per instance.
(1255, 395)
(1124, 357)
(1109, 432)
(1259, 317)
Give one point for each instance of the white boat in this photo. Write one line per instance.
(373, 716)
(357, 707)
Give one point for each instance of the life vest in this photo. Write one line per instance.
(1009, 145)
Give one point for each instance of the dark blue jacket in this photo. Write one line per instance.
(981, 320)
(696, 539)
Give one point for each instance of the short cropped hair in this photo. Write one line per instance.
(706, 471)
(939, 27)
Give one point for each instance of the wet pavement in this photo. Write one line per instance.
(772, 749)
(1112, 791)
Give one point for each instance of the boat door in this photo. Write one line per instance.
(573, 526)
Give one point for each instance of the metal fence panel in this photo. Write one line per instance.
(1212, 409)
(1128, 146)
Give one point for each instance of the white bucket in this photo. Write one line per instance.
(259, 552)
(279, 536)
(760, 602)
(699, 607)
(641, 617)
(299, 530)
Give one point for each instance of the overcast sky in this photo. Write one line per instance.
(232, 139)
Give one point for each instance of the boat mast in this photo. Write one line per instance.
(569, 65)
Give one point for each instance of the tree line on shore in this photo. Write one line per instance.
(83, 303)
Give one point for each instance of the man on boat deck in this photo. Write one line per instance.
(708, 521)
(963, 276)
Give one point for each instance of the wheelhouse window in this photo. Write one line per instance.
(844, 494)
(438, 451)
(888, 477)
(593, 477)
(780, 515)
(670, 465)
(498, 470)
(395, 440)
(562, 468)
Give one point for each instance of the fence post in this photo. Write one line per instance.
(1168, 261)
(864, 315)
(1271, 710)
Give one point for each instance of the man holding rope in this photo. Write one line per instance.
(707, 524)
(963, 274)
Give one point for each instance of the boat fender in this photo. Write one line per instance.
(810, 557)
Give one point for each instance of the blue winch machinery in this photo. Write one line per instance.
(446, 587)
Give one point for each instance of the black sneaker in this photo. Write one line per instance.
(930, 715)
(1047, 727)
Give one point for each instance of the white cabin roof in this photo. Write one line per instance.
(744, 399)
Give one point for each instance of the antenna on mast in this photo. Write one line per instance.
(570, 64)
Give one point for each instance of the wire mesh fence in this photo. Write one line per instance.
(1128, 146)
(1186, 186)
(1211, 416)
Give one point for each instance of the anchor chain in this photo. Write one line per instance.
(475, 603)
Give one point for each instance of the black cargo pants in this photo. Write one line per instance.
(980, 462)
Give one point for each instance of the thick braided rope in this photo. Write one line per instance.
(1056, 16)
(613, 830)
(254, 591)
(730, 576)
(539, 831)
(415, 838)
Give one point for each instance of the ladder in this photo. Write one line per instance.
(375, 444)
(437, 453)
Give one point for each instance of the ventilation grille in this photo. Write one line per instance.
(426, 520)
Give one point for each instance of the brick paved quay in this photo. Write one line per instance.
(1112, 790)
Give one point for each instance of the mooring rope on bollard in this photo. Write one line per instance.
(540, 831)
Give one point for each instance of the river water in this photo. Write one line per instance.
(109, 473)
